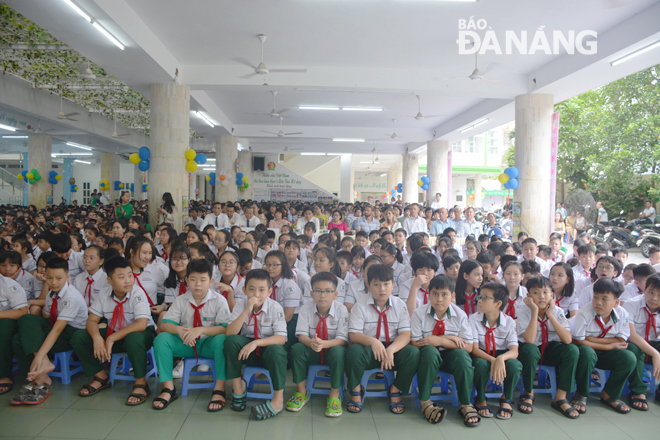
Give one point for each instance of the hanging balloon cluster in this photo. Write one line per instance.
(194, 159)
(241, 181)
(399, 188)
(141, 158)
(31, 176)
(118, 185)
(145, 187)
(74, 187)
(423, 183)
(509, 178)
(104, 185)
(53, 177)
(211, 178)
(224, 178)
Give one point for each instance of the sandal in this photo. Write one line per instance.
(483, 408)
(105, 383)
(432, 416)
(580, 401)
(264, 411)
(166, 403)
(217, 402)
(352, 406)
(239, 401)
(394, 405)
(31, 394)
(523, 405)
(501, 410)
(616, 405)
(297, 401)
(634, 400)
(6, 387)
(142, 397)
(566, 412)
(470, 413)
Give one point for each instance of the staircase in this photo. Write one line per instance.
(11, 188)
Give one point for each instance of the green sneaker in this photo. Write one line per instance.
(296, 402)
(333, 407)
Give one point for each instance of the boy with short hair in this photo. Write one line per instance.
(379, 331)
(361, 239)
(130, 329)
(256, 337)
(345, 260)
(627, 277)
(415, 291)
(38, 337)
(495, 349)
(606, 267)
(487, 261)
(10, 267)
(654, 257)
(530, 269)
(61, 245)
(13, 305)
(322, 332)
(641, 273)
(587, 257)
(601, 330)
(530, 251)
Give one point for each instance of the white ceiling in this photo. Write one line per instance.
(385, 50)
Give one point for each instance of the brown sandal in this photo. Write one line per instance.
(142, 397)
(105, 383)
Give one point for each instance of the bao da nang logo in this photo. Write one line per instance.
(541, 41)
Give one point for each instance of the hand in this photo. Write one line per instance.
(460, 342)
(156, 310)
(222, 287)
(420, 280)
(317, 344)
(190, 335)
(249, 307)
(550, 307)
(40, 276)
(621, 345)
(388, 362)
(36, 362)
(529, 303)
(498, 371)
(433, 341)
(378, 350)
(157, 235)
(656, 365)
(247, 350)
(108, 347)
(100, 352)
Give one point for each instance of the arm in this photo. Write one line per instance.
(55, 332)
(288, 313)
(594, 345)
(234, 327)
(563, 333)
(532, 329)
(13, 313)
(448, 342)
(272, 340)
(139, 325)
(401, 341)
(647, 349)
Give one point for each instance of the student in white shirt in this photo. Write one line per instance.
(325, 260)
(358, 290)
(61, 245)
(93, 280)
(606, 267)
(13, 305)
(285, 291)
(587, 257)
(150, 276)
(561, 277)
(641, 272)
(512, 277)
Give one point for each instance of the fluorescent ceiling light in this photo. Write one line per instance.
(73, 144)
(78, 10)
(372, 162)
(362, 109)
(82, 161)
(7, 127)
(14, 137)
(316, 107)
(205, 118)
(476, 124)
(383, 175)
(71, 154)
(635, 53)
(95, 23)
(338, 154)
(347, 140)
(312, 154)
(210, 160)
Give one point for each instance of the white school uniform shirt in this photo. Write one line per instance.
(337, 321)
(71, 306)
(302, 277)
(399, 269)
(350, 277)
(237, 284)
(639, 315)
(75, 265)
(412, 225)
(12, 295)
(568, 304)
(300, 266)
(210, 219)
(288, 294)
(271, 321)
(341, 291)
(36, 251)
(99, 284)
(630, 291)
(364, 318)
(586, 295)
(524, 315)
(172, 293)
(152, 279)
(456, 321)
(504, 334)
(261, 255)
(584, 324)
(215, 311)
(26, 280)
(580, 285)
(519, 300)
(198, 222)
(302, 221)
(356, 291)
(30, 264)
(580, 273)
(135, 308)
(404, 292)
(542, 263)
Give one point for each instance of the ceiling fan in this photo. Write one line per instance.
(38, 129)
(114, 133)
(67, 116)
(261, 68)
(281, 132)
(273, 113)
(476, 75)
(419, 116)
(395, 136)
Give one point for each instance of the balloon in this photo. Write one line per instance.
(190, 155)
(31, 181)
(191, 166)
(52, 174)
(246, 185)
(143, 165)
(506, 185)
(208, 178)
(244, 178)
(503, 178)
(239, 175)
(30, 176)
(23, 173)
(58, 177)
(144, 153)
(37, 177)
(76, 188)
(52, 180)
(399, 190)
(212, 176)
(425, 187)
(224, 182)
(147, 188)
(420, 183)
(239, 182)
(34, 171)
(121, 185)
(513, 183)
(134, 158)
(512, 172)
(425, 179)
(200, 159)
(222, 177)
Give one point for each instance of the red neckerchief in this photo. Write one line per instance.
(544, 335)
(165, 256)
(511, 307)
(603, 330)
(197, 322)
(256, 327)
(469, 303)
(182, 288)
(322, 330)
(650, 323)
(426, 295)
(382, 318)
(273, 294)
(88, 291)
(53, 308)
(137, 278)
(226, 292)
(439, 329)
(355, 273)
(491, 347)
(117, 317)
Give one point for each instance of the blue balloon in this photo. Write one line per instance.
(52, 180)
(239, 176)
(399, 190)
(506, 185)
(144, 153)
(239, 182)
(512, 172)
(144, 187)
(425, 187)
(143, 165)
(23, 173)
(200, 159)
(52, 174)
(25, 179)
(513, 183)
(212, 176)
(425, 179)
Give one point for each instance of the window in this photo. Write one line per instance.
(127, 187)
(86, 193)
(494, 142)
(459, 198)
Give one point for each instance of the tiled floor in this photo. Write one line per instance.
(105, 416)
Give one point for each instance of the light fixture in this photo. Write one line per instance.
(7, 127)
(71, 154)
(83, 161)
(362, 109)
(383, 175)
(347, 140)
(370, 163)
(316, 107)
(476, 124)
(635, 53)
(312, 154)
(14, 137)
(205, 118)
(82, 147)
(337, 154)
(95, 23)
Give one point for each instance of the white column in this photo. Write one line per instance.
(533, 141)
(39, 150)
(477, 191)
(346, 191)
(137, 183)
(245, 167)
(226, 153)
(398, 175)
(391, 183)
(437, 154)
(410, 178)
(170, 130)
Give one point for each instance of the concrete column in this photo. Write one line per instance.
(532, 157)
(226, 153)
(245, 167)
(137, 183)
(25, 188)
(437, 171)
(346, 192)
(391, 182)
(477, 191)
(398, 175)
(67, 173)
(410, 178)
(192, 185)
(170, 130)
(352, 184)
(110, 172)
(39, 149)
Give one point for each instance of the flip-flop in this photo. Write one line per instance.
(166, 403)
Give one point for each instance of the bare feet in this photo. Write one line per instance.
(40, 371)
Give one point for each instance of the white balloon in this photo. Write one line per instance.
(225, 182)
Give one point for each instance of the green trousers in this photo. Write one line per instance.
(168, 345)
(32, 332)
(564, 357)
(273, 358)
(482, 375)
(456, 362)
(621, 364)
(637, 385)
(360, 358)
(291, 337)
(8, 328)
(135, 345)
(302, 356)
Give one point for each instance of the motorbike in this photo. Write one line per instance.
(650, 237)
(598, 233)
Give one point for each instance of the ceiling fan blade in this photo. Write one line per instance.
(269, 132)
(257, 114)
(245, 62)
(249, 75)
(404, 116)
(68, 115)
(434, 116)
(284, 110)
(287, 70)
(449, 78)
(71, 119)
(290, 134)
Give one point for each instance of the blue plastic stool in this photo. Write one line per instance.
(648, 379)
(313, 377)
(250, 377)
(14, 366)
(446, 382)
(123, 372)
(64, 364)
(188, 365)
(604, 375)
(547, 382)
(387, 381)
(496, 231)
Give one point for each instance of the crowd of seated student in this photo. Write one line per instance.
(486, 310)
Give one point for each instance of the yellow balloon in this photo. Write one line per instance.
(503, 178)
(134, 158)
(121, 185)
(191, 165)
(420, 183)
(76, 188)
(190, 155)
(58, 177)
(147, 188)
(244, 178)
(208, 179)
(29, 176)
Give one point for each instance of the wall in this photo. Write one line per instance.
(327, 176)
